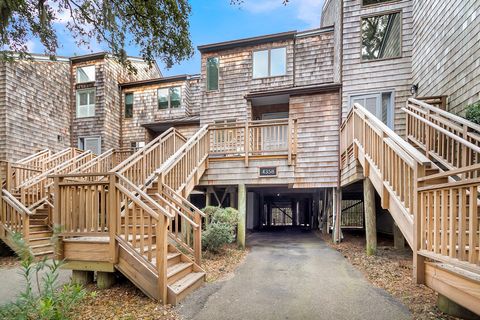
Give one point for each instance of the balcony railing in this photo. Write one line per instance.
(254, 138)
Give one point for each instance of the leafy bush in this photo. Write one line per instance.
(220, 228)
(216, 235)
(49, 302)
(473, 112)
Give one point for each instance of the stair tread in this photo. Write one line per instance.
(43, 253)
(176, 268)
(41, 245)
(185, 282)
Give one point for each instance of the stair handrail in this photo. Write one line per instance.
(84, 167)
(414, 153)
(45, 153)
(7, 217)
(67, 153)
(55, 170)
(450, 140)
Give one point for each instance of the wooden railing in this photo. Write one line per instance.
(15, 217)
(254, 138)
(60, 157)
(178, 170)
(450, 140)
(36, 159)
(396, 163)
(37, 189)
(104, 162)
(18, 173)
(449, 219)
(141, 165)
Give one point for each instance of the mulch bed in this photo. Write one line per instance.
(391, 270)
(125, 301)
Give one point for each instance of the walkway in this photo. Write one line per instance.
(292, 276)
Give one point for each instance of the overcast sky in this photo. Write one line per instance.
(216, 20)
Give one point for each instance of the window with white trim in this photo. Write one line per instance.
(169, 97)
(86, 74)
(270, 63)
(85, 103)
(136, 145)
(90, 143)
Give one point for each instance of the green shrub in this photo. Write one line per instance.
(220, 227)
(216, 235)
(473, 112)
(48, 301)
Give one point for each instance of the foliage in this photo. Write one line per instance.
(216, 235)
(159, 28)
(473, 112)
(48, 302)
(220, 228)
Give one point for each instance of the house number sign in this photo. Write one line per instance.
(268, 171)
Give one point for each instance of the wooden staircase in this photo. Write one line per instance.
(430, 184)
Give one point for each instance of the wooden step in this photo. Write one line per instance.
(178, 271)
(39, 234)
(178, 290)
(173, 258)
(40, 240)
(39, 227)
(40, 248)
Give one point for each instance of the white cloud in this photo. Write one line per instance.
(308, 11)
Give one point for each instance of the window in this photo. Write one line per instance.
(212, 73)
(86, 74)
(90, 143)
(379, 104)
(381, 37)
(169, 97)
(270, 63)
(369, 2)
(136, 145)
(85, 103)
(128, 105)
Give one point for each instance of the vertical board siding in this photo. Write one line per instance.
(35, 102)
(318, 140)
(446, 48)
(361, 77)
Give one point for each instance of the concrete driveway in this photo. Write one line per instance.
(292, 275)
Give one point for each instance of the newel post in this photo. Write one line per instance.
(9, 177)
(56, 202)
(289, 141)
(161, 254)
(418, 260)
(197, 240)
(113, 215)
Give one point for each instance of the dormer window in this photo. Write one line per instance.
(270, 63)
(86, 74)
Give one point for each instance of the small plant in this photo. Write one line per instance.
(220, 228)
(473, 112)
(48, 301)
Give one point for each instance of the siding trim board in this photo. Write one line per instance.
(295, 91)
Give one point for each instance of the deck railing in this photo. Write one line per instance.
(36, 159)
(452, 141)
(142, 164)
(449, 219)
(254, 138)
(15, 217)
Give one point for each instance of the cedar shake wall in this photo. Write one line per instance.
(314, 59)
(108, 104)
(145, 109)
(365, 77)
(446, 48)
(34, 107)
(318, 139)
(331, 16)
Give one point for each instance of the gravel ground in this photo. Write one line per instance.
(391, 270)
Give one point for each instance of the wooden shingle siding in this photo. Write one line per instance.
(195, 95)
(446, 50)
(331, 16)
(234, 172)
(362, 77)
(108, 104)
(317, 154)
(235, 81)
(145, 109)
(314, 59)
(34, 107)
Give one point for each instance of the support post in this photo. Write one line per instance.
(337, 228)
(398, 239)
(418, 260)
(242, 215)
(105, 279)
(370, 218)
(82, 277)
(112, 228)
(197, 241)
(161, 254)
